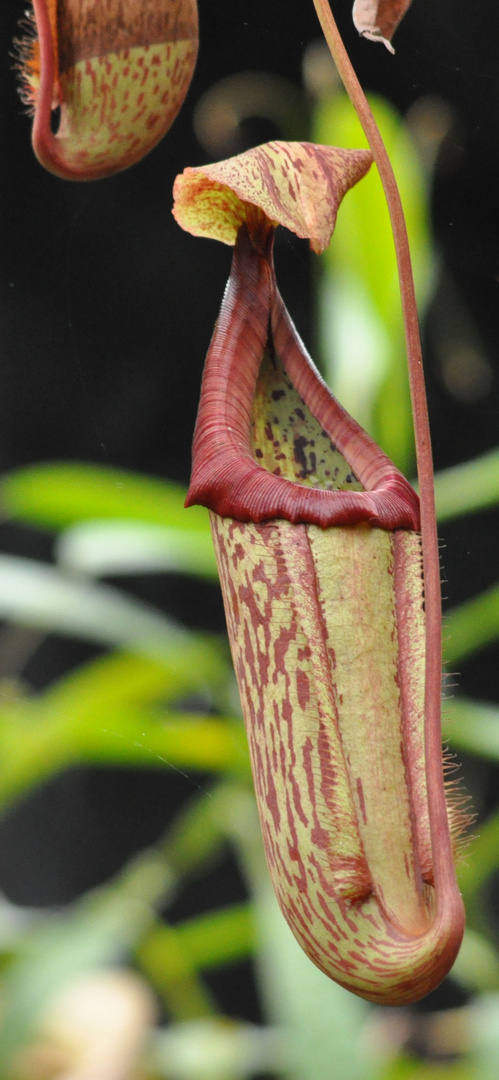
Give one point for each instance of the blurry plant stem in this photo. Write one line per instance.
(431, 564)
(17, 645)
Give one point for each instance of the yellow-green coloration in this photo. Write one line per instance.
(320, 562)
(322, 624)
(287, 440)
(114, 103)
(327, 630)
(118, 72)
(358, 605)
(299, 185)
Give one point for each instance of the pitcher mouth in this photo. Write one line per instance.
(228, 475)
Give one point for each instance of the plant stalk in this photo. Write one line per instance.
(431, 563)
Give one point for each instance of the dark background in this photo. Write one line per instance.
(107, 308)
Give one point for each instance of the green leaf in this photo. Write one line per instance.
(361, 328)
(58, 494)
(404, 1067)
(174, 976)
(116, 679)
(467, 488)
(199, 833)
(102, 548)
(172, 957)
(475, 872)
(219, 937)
(471, 626)
(37, 595)
(472, 726)
(120, 737)
(477, 964)
(199, 666)
(114, 711)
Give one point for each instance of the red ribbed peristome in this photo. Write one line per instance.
(225, 476)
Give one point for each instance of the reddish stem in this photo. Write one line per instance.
(444, 871)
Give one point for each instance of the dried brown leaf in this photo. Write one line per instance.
(377, 20)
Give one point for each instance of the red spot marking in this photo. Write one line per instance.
(287, 715)
(356, 956)
(344, 914)
(282, 759)
(271, 797)
(294, 851)
(237, 555)
(360, 793)
(303, 922)
(249, 655)
(371, 919)
(277, 720)
(302, 688)
(281, 647)
(257, 617)
(334, 948)
(275, 742)
(374, 947)
(258, 771)
(234, 603)
(319, 836)
(306, 929)
(327, 919)
(299, 879)
(284, 868)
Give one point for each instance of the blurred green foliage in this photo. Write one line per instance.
(361, 327)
